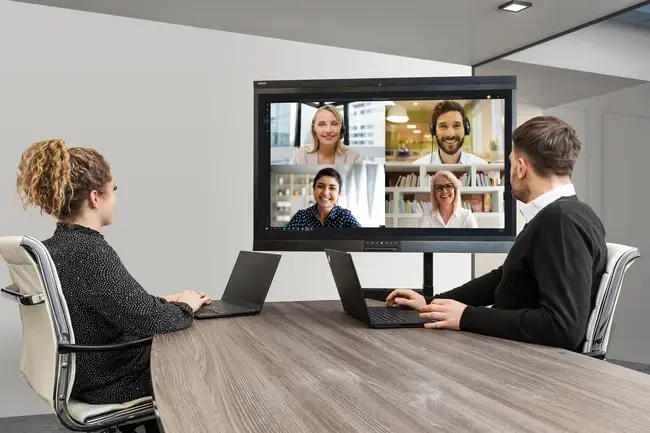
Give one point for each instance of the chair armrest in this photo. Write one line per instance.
(77, 348)
(11, 292)
(598, 354)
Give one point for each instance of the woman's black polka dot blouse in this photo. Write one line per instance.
(108, 306)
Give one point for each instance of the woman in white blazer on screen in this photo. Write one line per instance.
(446, 208)
(327, 131)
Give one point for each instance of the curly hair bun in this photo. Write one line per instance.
(44, 176)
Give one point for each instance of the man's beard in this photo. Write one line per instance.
(443, 146)
(520, 191)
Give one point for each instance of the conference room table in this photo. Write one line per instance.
(308, 367)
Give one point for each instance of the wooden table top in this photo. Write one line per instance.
(307, 367)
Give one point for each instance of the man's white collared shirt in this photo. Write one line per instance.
(529, 210)
(465, 158)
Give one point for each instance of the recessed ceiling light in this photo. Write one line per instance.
(515, 6)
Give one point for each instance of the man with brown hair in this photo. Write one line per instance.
(449, 126)
(546, 288)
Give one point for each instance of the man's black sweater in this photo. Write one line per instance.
(547, 286)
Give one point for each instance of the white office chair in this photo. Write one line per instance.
(47, 361)
(599, 326)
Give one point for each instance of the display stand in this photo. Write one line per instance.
(473, 266)
(427, 276)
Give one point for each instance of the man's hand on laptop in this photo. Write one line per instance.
(407, 298)
(447, 312)
(194, 299)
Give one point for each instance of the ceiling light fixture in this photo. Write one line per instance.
(397, 114)
(515, 6)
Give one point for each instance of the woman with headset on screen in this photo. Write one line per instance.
(325, 213)
(446, 208)
(327, 132)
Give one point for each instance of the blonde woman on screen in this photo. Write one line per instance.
(446, 208)
(327, 131)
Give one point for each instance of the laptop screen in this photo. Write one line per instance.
(251, 277)
(347, 284)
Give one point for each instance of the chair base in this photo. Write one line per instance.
(150, 426)
(596, 354)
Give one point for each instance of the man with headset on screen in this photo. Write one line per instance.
(547, 286)
(449, 126)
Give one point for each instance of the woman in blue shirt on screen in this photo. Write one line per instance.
(325, 213)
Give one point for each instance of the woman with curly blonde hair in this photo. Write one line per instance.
(106, 304)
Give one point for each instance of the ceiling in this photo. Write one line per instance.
(546, 86)
(639, 17)
(464, 32)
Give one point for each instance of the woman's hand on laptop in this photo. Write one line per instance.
(194, 299)
(172, 298)
(175, 296)
(407, 298)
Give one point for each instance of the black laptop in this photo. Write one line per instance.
(354, 302)
(247, 287)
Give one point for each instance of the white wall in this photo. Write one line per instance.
(171, 109)
(613, 179)
(610, 48)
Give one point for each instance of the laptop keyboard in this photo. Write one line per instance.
(222, 307)
(384, 315)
